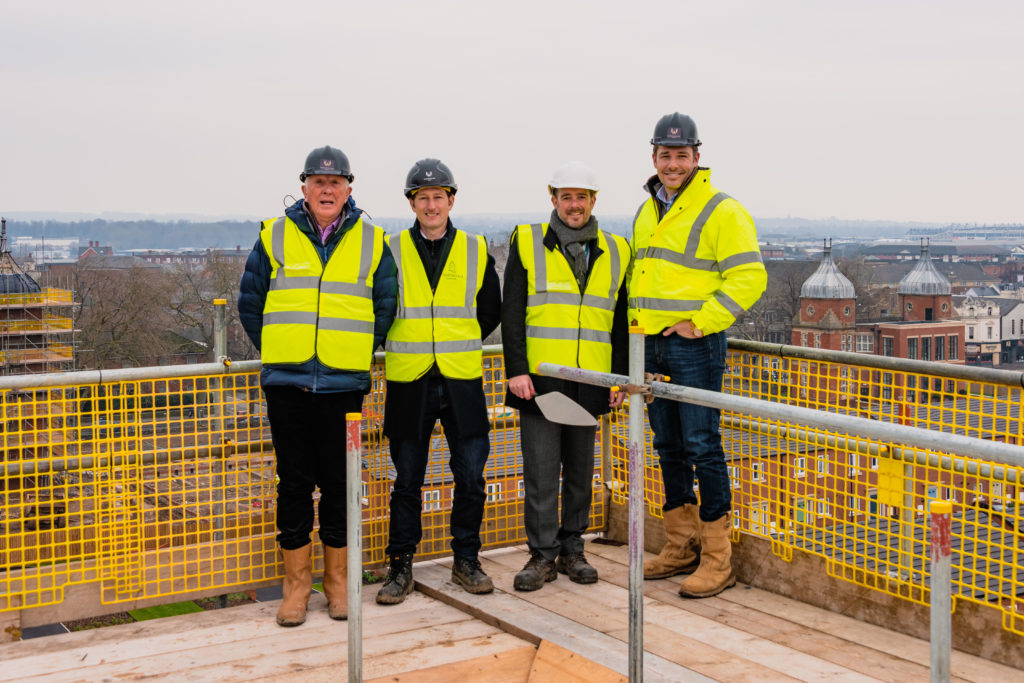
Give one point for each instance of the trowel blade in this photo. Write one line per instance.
(559, 408)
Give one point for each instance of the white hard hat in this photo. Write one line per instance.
(574, 174)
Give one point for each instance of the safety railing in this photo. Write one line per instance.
(48, 297)
(160, 483)
(861, 503)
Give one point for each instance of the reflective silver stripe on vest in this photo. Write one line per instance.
(350, 288)
(346, 325)
(688, 258)
(653, 304)
(473, 251)
(568, 334)
(281, 281)
(290, 318)
(397, 255)
(433, 347)
(565, 298)
(366, 257)
(615, 265)
(277, 240)
(428, 312)
(540, 262)
(728, 303)
(739, 260)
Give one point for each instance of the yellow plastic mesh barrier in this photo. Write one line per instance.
(861, 504)
(166, 487)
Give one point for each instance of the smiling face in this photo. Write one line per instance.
(326, 196)
(432, 206)
(573, 205)
(675, 165)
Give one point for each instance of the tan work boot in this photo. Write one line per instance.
(681, 553)
(336, 581)
(298, 582)
(715, 573)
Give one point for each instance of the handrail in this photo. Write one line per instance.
(942, 442)
(923, 367)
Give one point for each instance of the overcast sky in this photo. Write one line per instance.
(859, 110)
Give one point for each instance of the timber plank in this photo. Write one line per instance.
(217, 627)
(871, 649)
(555, 663)
(310, 667)
(769, 626)
(512, 613)
(962, 665)
(308, 646)
(511, 666)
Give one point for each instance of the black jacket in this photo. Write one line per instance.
(403, 414)
(513, 336)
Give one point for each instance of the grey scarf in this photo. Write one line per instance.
(573, 241)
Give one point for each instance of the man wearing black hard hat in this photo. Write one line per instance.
(449, 301)
(317, 298)
(697, 267)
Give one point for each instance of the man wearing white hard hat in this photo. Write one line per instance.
(564, 303)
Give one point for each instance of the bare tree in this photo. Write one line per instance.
(123, 315)
(193, 308)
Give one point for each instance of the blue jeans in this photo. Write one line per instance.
(410, 456)
(686, 436)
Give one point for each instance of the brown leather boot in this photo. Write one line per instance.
(336, 581)
(715, 573)
(298, 582)
(681, 553)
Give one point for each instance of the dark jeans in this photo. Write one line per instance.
(550, 450)
(687, 436)
(410, 456)
(308, 430)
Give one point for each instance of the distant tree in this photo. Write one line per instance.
(871, 299)
(122, 316)
(193, 308)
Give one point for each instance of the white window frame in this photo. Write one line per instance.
(431, 500)
(493, 491)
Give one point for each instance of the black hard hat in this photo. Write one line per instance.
(326, 161)
(429, 173)
(675, 130)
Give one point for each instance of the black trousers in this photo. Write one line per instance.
(308, 430)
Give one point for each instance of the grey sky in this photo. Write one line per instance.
(869, 109)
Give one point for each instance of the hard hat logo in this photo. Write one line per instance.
(674, 133)
(326, 164)
(430, 174)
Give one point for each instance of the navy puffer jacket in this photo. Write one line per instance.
(252, 296)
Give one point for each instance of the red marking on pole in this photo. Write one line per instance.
(353, 440)
(940, 534)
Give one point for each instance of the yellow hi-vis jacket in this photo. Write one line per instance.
(563, 325)
(320, 310)
(439, 326)
(700, 262)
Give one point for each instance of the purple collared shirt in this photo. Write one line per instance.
(326, 231)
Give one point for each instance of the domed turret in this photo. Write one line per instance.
(924, 279)
(827, 282)
(13, 279)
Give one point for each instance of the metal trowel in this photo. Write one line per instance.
(559, 408)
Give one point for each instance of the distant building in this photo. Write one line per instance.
(36, 330)
(191, 259)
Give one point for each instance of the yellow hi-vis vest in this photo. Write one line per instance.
(320, 310)
(439, 326)
(563, 325)
(700, 262)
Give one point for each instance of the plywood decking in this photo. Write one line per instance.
(562, 632)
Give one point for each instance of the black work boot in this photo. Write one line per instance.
(468, 574)
(399, 581)
(538, 571)
(577, 567)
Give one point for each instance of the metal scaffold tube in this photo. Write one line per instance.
(637, 458)
(940, 540)
(942, 442)
(354, 522)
